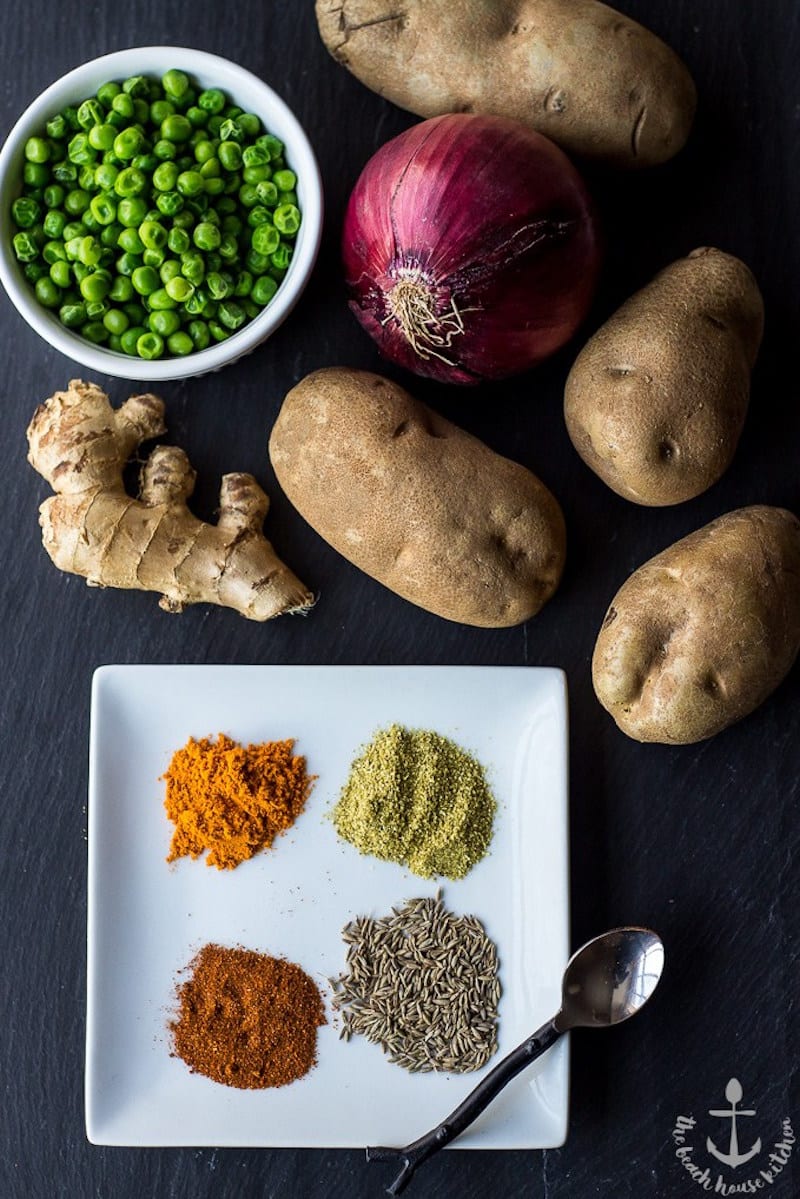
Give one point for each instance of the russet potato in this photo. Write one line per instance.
(583, 74)
(416, 502)
(701, 634)
(656, 400)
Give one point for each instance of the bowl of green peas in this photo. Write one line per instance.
(160, 213)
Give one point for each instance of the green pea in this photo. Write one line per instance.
(217, 331)
(198, 332)
(121, 290)
(95, 332)
(114, 342)
(193, 267)
(123, 105)
(160, 110)
(128, 143)
(179, 289)
(72, 315)
(255, 262)
(101, 137)
(217, 285)
(164, 150)
(105, 176)
(131, 211)
(109, 235)
(244, 284)
(190, 183)
(34, 271)
(116, 321)
(25, 212)
(248, 194)
(231, 314)
(180, 344)
(79, 151)
(136, 86)
(130, 182)
(212, 100)
(135, 312)
(25, 247)
(206, 236)
(259, 215)
(204, 151)
(265, 239)
(36, 174)
(129, 339)
(106, 93)
(89, 251)
(86, 178)
(90, 221)
(61, 274)
(154, 258)
(178, 240)
(80, 271)
(54, 223)
(282, 257)
(37, 149)
(287, 219)
(228, 248)
(57, 127)
(230, 155)
(176, 128)
(169, 203)
(103, 208)
(76, 202)
(256, 174)
(273, 145)
(54, 251)
(90, 113)
(145, 162)
(164, 322)
(183, 219)
(96, 309)
(196, 116)
(264, 289)
(65, 172)
(175, 83)
(48, 295)
(130, 241)
(145, 280)
(251, 308)
(150, 346)
(214, 124)
(153, 235)
(211, 168)
(95, 286)
(267, 193)
(165, 176)
(255, 156)
(160, 299)
(53, 196)
(284, 180)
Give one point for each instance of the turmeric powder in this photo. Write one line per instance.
(230, 800)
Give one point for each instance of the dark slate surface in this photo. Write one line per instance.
(700, 842)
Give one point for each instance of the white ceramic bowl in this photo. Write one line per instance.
(242, 88)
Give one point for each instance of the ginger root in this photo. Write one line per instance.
(92, 527)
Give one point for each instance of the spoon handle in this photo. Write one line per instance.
(479, 1098)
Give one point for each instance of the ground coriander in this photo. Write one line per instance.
(419, 799)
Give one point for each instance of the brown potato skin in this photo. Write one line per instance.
(656, 401)
(589, 78)
(415, 502)
(701, 634)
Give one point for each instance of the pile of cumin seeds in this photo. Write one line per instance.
(422, 983)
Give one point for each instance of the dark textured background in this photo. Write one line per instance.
(699, 841)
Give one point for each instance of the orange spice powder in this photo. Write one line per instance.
(231, 801)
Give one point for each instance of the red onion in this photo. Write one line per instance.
(470, 248)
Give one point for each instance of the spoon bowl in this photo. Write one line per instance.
(610, 978)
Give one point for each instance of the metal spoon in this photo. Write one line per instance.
(605, 982)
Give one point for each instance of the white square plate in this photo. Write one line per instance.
(147, 919)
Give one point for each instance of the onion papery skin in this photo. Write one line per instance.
(471, 248)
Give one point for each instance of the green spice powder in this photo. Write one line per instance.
(416, 798)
